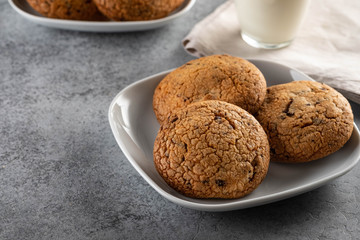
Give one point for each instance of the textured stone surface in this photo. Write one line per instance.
(64, 177)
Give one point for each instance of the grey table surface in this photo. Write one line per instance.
(62, 174)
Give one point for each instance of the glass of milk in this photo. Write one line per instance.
(270, 24)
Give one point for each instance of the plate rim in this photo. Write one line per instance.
(120, 26)
(227, 206)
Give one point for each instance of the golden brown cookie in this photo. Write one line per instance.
(67, 9)
(212, 149)
(137, 10)
(218, 77)
(305, 121)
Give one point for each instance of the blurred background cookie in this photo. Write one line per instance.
(67, 9)
(218, 77)
(305, 121)
(137, 10)
(212, 149)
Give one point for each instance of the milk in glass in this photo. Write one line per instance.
(270, 23)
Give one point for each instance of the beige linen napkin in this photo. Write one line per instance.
(327, 47)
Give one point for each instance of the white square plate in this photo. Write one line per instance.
(134, 126)
(23, 8)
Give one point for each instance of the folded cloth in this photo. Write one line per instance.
(327, 47)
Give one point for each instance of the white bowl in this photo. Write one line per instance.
(134, 126)
(23, 8)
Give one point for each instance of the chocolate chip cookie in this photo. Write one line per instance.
(212, 149)
(137, 10)
(67, 9)
(218, 77)
(305, 121)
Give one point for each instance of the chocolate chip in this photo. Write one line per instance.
(317, 121)
(205, 181)
(289, 112)
(220, 182)
(217, 118)
(174, 119)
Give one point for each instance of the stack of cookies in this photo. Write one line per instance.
(220, 126)
(94, 10)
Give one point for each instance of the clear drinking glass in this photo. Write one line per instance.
(270, 24)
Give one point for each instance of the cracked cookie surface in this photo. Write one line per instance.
(137, 10)
(218, 77)
(67, 9)
(212, 149)
(305, 121)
